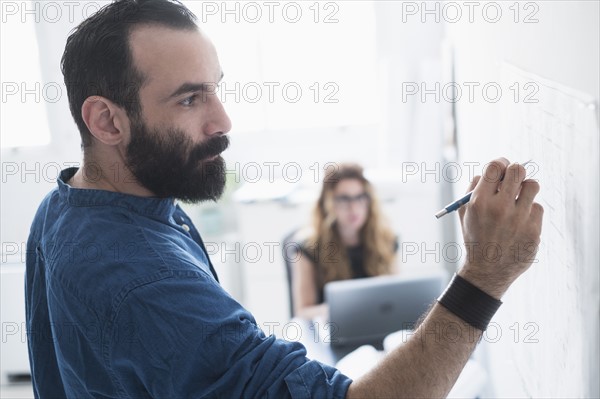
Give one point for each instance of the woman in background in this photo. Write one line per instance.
(348, 240)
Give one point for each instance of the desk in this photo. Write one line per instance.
(316, 338)
(317, 346)
(471, 382)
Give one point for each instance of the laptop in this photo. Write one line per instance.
(363, 311)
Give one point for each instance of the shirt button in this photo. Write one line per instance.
(185, 227)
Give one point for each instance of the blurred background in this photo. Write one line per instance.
(307, 85)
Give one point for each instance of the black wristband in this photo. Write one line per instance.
(469, 302)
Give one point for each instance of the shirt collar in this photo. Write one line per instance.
(150, 206)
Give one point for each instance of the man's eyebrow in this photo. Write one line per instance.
(190, 87)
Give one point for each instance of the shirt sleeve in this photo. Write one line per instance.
(184, 336)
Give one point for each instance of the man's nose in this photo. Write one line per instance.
(218, 121)
(354, 206)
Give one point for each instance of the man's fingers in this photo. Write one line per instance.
(536, 216)
(513, 178)
(529, 189)
(472, 185)
(492, 175)
(537, 213)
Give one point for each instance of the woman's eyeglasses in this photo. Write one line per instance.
(346, 200)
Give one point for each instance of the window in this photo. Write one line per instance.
(294, 64)
(24, 119)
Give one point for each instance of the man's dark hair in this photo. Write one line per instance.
(98, 62)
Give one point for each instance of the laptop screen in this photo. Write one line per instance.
(364, 311)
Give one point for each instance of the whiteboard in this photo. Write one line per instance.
(560, 132)
(550, 317)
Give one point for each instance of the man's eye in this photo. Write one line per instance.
(189, 100)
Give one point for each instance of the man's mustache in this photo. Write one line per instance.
(210, 148)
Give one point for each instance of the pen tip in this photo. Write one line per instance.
(441, 213)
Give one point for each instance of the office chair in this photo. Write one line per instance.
(290, 252)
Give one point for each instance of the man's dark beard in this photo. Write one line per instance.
(167, 163)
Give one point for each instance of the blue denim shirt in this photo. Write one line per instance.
(123, 302)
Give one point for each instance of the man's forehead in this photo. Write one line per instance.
(180, 54)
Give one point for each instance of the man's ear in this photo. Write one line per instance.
(106, 121)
